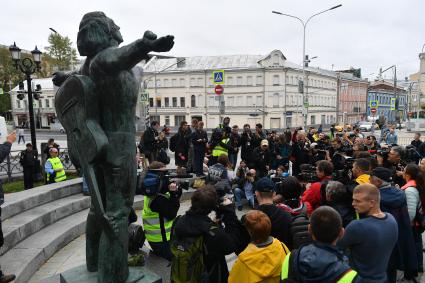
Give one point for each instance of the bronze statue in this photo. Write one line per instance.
(96, 106)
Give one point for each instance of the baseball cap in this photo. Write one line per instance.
(264, 142)
(265, 184)
(382, 173)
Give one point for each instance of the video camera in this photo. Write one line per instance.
(308, 174)
(345, 174)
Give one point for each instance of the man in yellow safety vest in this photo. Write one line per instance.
(54, 168)
(221, 146)
(161, 203)
(320, 261)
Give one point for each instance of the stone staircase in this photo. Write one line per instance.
(39, 222)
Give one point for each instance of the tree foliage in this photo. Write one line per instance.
(61, 52)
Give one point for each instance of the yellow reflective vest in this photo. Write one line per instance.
(57, 164)
(347, 278)
(219, 150)
(152, 222)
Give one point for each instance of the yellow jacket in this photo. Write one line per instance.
(262, 264)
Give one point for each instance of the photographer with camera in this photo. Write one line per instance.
(199, 244)
(161, 203)
(262, 158)
(315, 192)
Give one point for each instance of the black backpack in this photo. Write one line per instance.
(299, 229)
(173, 142)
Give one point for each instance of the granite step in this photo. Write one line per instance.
(29, 255)
(16, 203)
(23, 225)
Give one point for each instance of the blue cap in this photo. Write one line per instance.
(265, 184)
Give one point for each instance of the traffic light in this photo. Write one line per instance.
(306, 61)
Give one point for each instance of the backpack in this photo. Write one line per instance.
(420, 218)
(163, 156)
(187, 263)
(150, 185)
(173, 142)
(299, 229)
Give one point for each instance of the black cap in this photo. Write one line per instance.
(382, 173)
(265, 184)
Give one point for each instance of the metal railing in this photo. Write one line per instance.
(11, 167)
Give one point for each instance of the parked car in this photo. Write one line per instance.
(365, 126)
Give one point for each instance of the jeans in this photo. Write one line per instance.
(233, 158)
(161, 249)
(240, 194)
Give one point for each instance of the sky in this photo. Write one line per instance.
(366, 34)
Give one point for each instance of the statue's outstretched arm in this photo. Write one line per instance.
(126, 57)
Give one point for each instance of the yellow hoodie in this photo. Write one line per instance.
(262, 264)
(363, 179)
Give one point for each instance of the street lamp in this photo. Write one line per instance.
(28, 67)
(304, 61)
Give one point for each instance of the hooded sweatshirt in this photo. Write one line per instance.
(318, 263)
(259, 263)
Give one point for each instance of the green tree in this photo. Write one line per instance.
(61, 51)
(9, 78)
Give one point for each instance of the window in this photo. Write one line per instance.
(150, 84)
(239, 81)
(182, 82)
(154, 118)
(166, 83)
(151, 102)
(193, 101)
(192, 82)
(323, 119)
(259, 80)
(276, 80)
(239, 101)
(249, 80)
(167, 120)
(40, 103)
(158, 101)
(158, 83)
(173, 84)
(259, 100)
(276, 100)
(18, 103)
(229, 101)
(276, 60)
(249, 101)
(200, 100)
(47, 103)
(178, 119)
(230, 81)
(211, 101)
(182, 102)
(313, 119)
(200, 82)
(166, 102)
(174, 101)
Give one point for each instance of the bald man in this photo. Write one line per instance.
(371, 239)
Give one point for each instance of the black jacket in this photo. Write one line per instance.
(261, 159)
(149, 142)
(317, 263)
(218, 241)
(28, 158)
(281, 222)
(235, 142)
(4, 152)
(199, 135)
(416, 143)
(246, 145)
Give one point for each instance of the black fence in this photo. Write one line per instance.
(11, 168)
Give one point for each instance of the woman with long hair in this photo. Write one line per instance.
(415, 195)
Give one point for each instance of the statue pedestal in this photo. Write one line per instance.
(81, 275)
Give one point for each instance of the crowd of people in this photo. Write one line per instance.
(326, 207)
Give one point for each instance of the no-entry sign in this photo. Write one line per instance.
(218, 89)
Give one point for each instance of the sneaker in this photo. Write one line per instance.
(7, 278)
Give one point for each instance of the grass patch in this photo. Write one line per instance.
(18, 185)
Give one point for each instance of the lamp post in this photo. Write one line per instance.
(28, 67)
(305, 61)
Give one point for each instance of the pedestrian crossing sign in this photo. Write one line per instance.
(392, 103)
(373, 104)
(144, 96)
(218, 77)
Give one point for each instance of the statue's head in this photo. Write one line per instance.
(97, 32)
